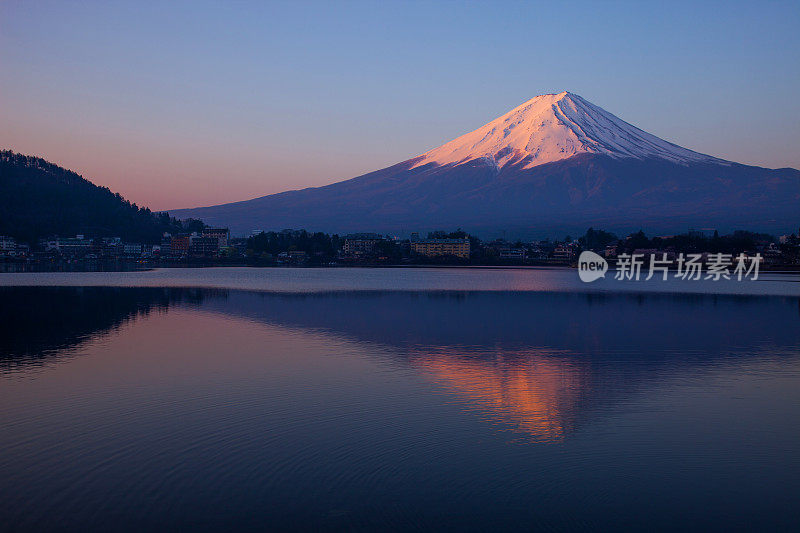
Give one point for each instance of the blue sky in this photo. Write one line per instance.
(185, 104)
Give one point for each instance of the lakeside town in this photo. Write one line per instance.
(216, 247)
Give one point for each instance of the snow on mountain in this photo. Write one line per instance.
(553, 127)
(555, 164)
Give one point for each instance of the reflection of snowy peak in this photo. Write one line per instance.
(552, 127)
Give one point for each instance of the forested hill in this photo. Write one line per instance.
(40, 199)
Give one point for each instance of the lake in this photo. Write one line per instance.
(384, 399)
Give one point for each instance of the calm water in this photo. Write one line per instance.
(310, 280)
(214, 407)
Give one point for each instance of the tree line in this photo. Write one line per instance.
(40, 199)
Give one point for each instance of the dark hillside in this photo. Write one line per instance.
(39, 199)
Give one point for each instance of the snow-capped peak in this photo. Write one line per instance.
(552, 127)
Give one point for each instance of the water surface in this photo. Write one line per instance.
(172, 408)
(307, 280)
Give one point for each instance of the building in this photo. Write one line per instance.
(771, 255)
(202, 245)
(294, 257)
(7, 244)
(564, 252)
(165, 244)
(517, 254)
(132, 249)
(23, 250)
(439, 247)
(221, 234)
(537, 253)
(179, 245)
(359, 244)
(77, 245)
(108, 246)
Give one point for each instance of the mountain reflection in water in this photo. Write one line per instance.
(539, 363)
(536, 363)
(191, 409)
(534, 392)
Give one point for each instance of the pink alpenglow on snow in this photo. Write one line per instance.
(556, 164)
(553, 127)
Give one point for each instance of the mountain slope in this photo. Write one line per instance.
(554, 127)
(39, 199)
(555, 163)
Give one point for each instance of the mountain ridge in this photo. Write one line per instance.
(40, 199)
(556, 162)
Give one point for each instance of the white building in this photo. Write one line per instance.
(7, 244)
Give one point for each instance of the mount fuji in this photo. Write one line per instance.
(555, 163)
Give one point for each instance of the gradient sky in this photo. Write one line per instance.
(187, 104)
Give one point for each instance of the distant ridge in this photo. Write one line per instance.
(556, 162)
